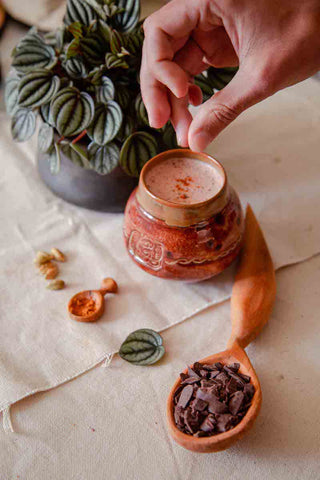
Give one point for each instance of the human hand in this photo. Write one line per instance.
(275, 43)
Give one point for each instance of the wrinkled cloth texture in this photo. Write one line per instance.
(271, 157)
(111, 422)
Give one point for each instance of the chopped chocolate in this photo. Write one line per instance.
(208, 367)
(190, 380)
(192, 420)
(222, 377)
(198, 404)
(248, 390)
(232, 386)
(236, 402)
(185, 396)
(208, 424)
(246, 378)
(225, 422)
(211, 399)
(192, 373)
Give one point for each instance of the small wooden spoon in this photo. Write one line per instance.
(252, 299)
(108, 285)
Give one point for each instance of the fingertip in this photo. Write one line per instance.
(199, 139)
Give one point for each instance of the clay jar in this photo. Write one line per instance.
(183, 241)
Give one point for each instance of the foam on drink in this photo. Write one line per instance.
(183, 180)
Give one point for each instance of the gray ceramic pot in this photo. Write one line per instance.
(86, 188)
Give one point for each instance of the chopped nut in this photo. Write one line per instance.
(45, 267)
(42, 257)
(56, 285)
(51, 272)
(58, 255)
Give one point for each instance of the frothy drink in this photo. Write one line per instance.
(184, 180)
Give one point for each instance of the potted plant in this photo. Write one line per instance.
(82, 80)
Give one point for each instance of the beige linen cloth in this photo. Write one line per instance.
(271, 154)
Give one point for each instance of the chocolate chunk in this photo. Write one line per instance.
(204, 373)
(190, 381)
(225, 422)
(183, 376)
(198, 404)
(214, 374)
(185, 396)
(234, 367)
(222, 377)
(219, 365)
(192, 373)
(246, 378)
(192, 420)
(178, 416)
(215, 406)
(206, 393)
(208, 424)
(232, 386)
(209, 367)
(249, 390)
(236, 402)
(197, 367)
(210, 383)
(238, 379)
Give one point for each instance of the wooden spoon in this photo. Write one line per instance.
(108, 285)
(252, 299)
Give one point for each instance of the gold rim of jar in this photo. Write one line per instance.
(176, 214)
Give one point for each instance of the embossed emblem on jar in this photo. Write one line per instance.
(145, 250)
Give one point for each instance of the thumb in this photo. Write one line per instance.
(223, 107)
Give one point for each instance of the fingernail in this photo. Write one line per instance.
(181, 137)
(201, 140)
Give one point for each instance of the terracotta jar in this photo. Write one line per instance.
(189, 242)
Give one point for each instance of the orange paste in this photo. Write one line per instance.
(83, 306)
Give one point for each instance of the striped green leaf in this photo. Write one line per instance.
(23, 124)
(104, 31)
(37, 88)
(11, 94)
(220, 77)
(33, 55)
(79, 11)
(71, 111)
(104, 158)
(205, 84)
(75, 67)
(53, 157)
(122, 95)
(46, 114)
(141, 110)
(106, 122)
(126, 129)
(45, 138)
(117, 41)
(76, 154)
(142, 347)
(169, 136)
(136, 151)
(134, 42)
(92, 49)
(105, 91)
(114, 60)
(128, 19)
(76, 29)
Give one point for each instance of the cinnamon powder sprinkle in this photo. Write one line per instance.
(83, 306)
